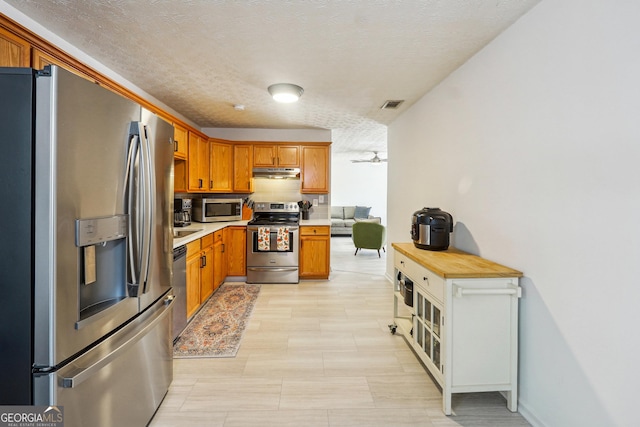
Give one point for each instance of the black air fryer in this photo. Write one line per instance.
(430, 228)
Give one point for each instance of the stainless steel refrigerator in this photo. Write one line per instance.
(86, 210)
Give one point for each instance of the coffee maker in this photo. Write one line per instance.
(181, 212)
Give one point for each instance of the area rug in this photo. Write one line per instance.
(217, 329)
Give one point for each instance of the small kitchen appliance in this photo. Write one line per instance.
(217, 210)
(181, 212)
(430, 228)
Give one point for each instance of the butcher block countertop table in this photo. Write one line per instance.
(454, 263)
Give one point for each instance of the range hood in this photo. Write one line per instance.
(277, 173)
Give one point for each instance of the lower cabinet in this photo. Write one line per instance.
(199, 273)
(219, 264)
(315, 252)
(208, 268)
(235, 249)
(463, 323)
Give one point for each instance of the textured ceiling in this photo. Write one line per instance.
(200, 57)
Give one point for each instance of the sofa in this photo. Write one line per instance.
(343, 218)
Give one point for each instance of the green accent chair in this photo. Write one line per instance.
(369, 235)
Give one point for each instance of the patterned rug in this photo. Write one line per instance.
(217, 328)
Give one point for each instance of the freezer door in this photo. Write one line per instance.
(122, 381)
(81, 291)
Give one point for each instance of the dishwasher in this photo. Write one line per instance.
(179, 290)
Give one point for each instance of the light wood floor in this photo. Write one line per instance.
(320, 354)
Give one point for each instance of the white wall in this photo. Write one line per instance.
(361, 184)
(533, 146)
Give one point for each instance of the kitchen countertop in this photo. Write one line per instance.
(315, 222)
(454, 263)
(203, 228)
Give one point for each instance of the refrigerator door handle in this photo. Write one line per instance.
(141, 200)
(149, 202)
(72, 381)
(129, 191)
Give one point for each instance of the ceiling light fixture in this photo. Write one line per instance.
(285, 92)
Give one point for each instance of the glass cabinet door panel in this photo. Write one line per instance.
(428, 309)
(419, 333)
(427, 345)
(436, 352)
(419, 308)
(436, 321)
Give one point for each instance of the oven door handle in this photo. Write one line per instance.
(272, 269)
(275, 228)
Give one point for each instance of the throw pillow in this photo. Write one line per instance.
(337, 212)
(362, 212)
(349, 212)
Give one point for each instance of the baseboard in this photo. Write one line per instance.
(529, 415)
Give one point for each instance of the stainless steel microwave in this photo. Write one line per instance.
(214, 210)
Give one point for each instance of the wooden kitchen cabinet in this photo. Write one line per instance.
(220, 167)
(314, 169)
(207, 282)
(219, 259)
(200, 267)
(235, 243)
(276, 155)
(194, 265)
(14, 51)
(315, 252)
(180, 141)
(198, 163)
(243, 168)
(463, 324)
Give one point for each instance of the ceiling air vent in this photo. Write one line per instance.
(391, 105)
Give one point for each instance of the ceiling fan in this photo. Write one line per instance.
(375, 159)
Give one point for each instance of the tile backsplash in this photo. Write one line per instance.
(276, 190)
(284, 190)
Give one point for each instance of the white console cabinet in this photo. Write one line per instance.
(464, 321)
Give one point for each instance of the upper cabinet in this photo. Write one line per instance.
(220, 166)
(242, 168)
(198, 161)
(276, 155)
(14, 51)
(315, 169)
(180, 141)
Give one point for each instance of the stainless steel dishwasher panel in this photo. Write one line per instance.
(179, 290)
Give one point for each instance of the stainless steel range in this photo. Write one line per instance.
(273, 243)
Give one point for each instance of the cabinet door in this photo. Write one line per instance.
(198, 163)
(206, 279)
(242, 168)
(288, 156)
(180, 140)
(236, 250)
(315, 252)
(193, 284)
(264, 156)
(14, 51)
(221, 163)
(428, 331)
(218, 264)
(315, 169)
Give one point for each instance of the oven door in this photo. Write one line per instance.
(268, 261)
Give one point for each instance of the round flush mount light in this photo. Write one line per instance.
(285, 92)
